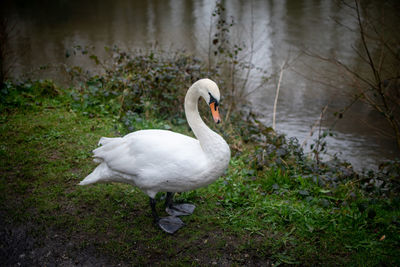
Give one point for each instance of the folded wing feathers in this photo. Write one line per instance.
(106, 144)
(109, 150)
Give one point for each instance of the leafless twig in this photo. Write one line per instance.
(277, 94)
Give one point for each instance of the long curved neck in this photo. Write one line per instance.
(203, 133)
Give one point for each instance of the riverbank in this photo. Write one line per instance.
(273, 206)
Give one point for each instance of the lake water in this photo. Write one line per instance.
(277, 31)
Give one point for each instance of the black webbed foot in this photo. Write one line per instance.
(177, 209)
(180, 209)
(170, 224)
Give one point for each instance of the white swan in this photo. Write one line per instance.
(165, 161)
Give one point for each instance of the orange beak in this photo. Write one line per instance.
(215, 112)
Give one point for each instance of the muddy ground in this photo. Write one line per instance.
(20, 246)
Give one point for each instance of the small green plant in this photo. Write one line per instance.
(149, 83)
(26, 94)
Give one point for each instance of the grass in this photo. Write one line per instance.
(250, 216)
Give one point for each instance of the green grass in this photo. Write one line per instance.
(249, 216)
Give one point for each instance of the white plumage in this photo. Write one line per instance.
(165, 161)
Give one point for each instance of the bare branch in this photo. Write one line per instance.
(364, 42)
(277, 94)
(251, 48)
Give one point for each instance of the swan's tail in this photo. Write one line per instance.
(101, 173)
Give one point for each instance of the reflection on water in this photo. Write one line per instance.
(46, 29)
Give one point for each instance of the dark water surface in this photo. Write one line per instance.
(279, 31)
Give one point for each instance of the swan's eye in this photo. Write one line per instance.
(213, 100)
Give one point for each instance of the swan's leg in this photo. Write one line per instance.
(177, 209)
(169, 224)
(153, 209)
(169, 199)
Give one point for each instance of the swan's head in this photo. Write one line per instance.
(210, 92)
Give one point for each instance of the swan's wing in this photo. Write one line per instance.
(153, 153)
